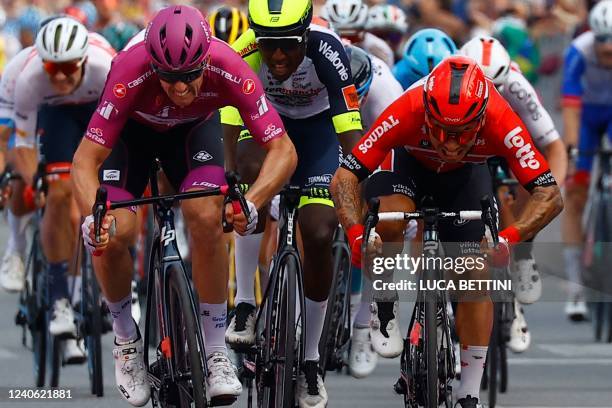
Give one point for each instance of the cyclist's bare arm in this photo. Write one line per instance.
(25, 162)
(85, 166)
(556, 155)
(349, 139)
(230, 141)
(346, 194)
(278, 166)
(571, 124)
(5, 133)
(543, 206)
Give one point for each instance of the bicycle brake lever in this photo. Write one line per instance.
(99, 211)
(489, 218)
(371, 219)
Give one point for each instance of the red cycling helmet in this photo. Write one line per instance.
(178, 38)
(455, 97)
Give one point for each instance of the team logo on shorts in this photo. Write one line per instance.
(202, 156)
(119, 90)
(111, 175)
(248, 87)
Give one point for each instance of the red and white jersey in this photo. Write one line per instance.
(9, 81)
(33, 88)
(403, 124)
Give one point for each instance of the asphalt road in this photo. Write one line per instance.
(563, 367)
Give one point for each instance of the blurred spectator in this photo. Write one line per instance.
(116, 31)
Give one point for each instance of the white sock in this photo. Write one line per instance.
(123, 324)
(17, 236)
(572, 255)
(472, 366)
(247, 258)
(74, 288)
(362, 318)
(315, 318)
(213, 319)
(355, 305)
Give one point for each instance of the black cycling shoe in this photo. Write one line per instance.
(468, 402)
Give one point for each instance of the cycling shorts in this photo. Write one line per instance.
(595, 120)
(456, 190)
(318, 151)
(191, 156)
(61, 128)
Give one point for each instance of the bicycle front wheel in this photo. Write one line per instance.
(37, 315)
(431, 348)
(186, 351)
(91, 310)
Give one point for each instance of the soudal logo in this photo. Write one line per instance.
(524, 154)
(376, 134)
(334, 57)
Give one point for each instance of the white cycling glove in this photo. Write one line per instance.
(253, 224)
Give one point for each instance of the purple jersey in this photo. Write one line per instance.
(133, 91)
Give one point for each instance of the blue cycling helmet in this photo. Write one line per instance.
(423, 51)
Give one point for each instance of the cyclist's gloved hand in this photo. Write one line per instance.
(107, 230)
(411, 230)
(274, 207)
(355, 238)
(240, 222)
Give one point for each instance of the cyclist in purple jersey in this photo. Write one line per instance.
(160, 101)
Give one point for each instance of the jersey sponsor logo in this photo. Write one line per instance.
(524, 154)
(351, 98)
(111, 175)
(271, 132)
(119, 90)
(96, 134)
(262, 105)
(334, 57)
(248, 49)
(460, 222)
(202, 156)
(430, 83)
(107, 109)
(533, 107)
(321, 179)
(350, 162)
(546, 179)
(224, 74)
(140, 79)
(167, 236)
(248, 87)
(377, 133)
(480, 89)
(203, 184)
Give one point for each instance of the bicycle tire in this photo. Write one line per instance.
(503, 369)
(92, 313)
(493, 357)
(37, 316)
(280, 313)
(333, 327)
(431, 349)
(54, 359)
(183, 329)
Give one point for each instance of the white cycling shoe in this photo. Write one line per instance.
(520, 337)
(12, 273)
(576, 309)
(526, 281)
(311, 392)
(362, 357)
(386, 341)
(222, 382)
(62, 319)
(241, 330)
(136, 313)
(74, 351)
(131, 373)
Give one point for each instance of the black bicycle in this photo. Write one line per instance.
(178, 372)
(598, 257)
(33, 305)
(336, 333)
(428, 360)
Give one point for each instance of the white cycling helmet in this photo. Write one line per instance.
(62, 39)
(388, 18)
(491, 56)
(600, 18)
(346, 15)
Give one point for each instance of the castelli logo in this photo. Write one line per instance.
(119, 90)
(430, 83)
(480, 89)
(248, 87)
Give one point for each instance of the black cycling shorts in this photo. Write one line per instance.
(191, 156)
(455, 190)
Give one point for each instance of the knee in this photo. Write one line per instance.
(204, 220)
(59, 194)
(318, 233)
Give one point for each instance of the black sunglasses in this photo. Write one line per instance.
(283, 43)
(604, 38)
(174, 77)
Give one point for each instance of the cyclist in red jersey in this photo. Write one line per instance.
(440, 133)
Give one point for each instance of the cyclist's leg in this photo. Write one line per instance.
(396, 186)
(576, 191)
(125, 175)
(241, 329)
(192, 158)
(62, 129)
(454, 191)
